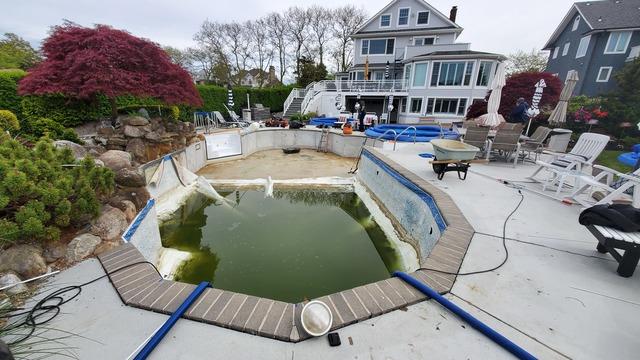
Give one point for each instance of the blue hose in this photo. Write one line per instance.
(157, 337)
(519, 352)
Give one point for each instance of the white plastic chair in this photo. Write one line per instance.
(628, 183)
(584, 153)
(223, 123)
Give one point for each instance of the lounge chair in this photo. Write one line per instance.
(604, 181)
(226, 124)
(234, 117)
(535, 143)
(583, 154)
(510, 126)
(478, 137)
(610, 239)
(507, 143)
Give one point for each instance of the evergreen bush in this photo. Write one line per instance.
(8, 121)
(40, 194)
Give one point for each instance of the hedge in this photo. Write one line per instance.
(69, 112)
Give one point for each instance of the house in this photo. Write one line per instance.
(406, 55)
(259, 78)
(596, 39)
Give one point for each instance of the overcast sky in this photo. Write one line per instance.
(501, 26)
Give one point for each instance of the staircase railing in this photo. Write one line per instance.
(287, 103)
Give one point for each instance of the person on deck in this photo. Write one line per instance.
(361, 115)
(519, 113)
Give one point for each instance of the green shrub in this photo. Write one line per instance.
(215, 97)
(175, 113)
(39, 196)
(52, 129)
(9, 98)
(8, 121)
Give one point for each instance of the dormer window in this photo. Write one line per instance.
(403, 16)
(576, 23)
(423, 18)
(385, 20)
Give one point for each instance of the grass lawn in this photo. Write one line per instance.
(609, 158)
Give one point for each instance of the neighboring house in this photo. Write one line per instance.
(258, 77)
(430, 75)
(596, 39)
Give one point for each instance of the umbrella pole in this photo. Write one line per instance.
(528, 126)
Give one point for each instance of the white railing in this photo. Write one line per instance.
(352, 86)
(287, 103)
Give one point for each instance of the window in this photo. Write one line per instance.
(415, 106)
(403, 16)
(359, 75)
(618, 42)
(424, 41)
(484, 72)
(555, 52)
(385, 20)
(403, 105)
(456, 73)
(378, 75)
(420, 75)
(576, 23)
(407, 73)
(447, 106)
(565, 49)
(604, 74)
(583, 46)
(423, 18)
(377, 47)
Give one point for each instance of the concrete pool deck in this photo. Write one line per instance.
(556, 296)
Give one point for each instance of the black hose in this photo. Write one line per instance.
(49, 307)
(504, 245)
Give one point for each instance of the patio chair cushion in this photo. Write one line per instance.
(621, 181)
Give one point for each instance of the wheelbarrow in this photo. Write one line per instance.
(452, 155)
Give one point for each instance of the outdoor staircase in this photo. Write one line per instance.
(294, 107)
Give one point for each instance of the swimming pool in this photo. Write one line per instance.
(424, 133)
(300, 244)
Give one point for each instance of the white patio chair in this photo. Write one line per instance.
(626, 184)
(235, 117)
(223, 123)
(584, 153)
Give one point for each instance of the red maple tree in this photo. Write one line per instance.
(85, 62)
(521, 85)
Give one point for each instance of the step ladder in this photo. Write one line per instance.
(323, 145)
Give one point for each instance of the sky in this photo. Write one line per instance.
(500, 26)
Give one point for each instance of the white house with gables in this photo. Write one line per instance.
(407, 55)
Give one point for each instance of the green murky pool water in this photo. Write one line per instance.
(300, 244)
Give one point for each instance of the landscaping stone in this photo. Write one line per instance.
(54, 251)
(106, 130)
(152, 136)
(25, 260)
(136, 121)
(130, 177)
(117, 140)
(110, 224)
(116, 159)
(81, 247)
(134, 131)
(138, 196)
(137, 149)
(129, 210)
(79, 152)
(10, 278)
(105, 246)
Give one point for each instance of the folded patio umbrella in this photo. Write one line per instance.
(230, 102)
(492, 118)
(366, 68)
(559, 114)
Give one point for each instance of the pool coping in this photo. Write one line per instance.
(142, 287)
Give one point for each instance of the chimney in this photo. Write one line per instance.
(272, 73)
(453, 14)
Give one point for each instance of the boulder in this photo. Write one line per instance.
(129, 209)
(5, 353)
(130, 177)
(106, 246)
(10, 278)
(138, 196)
(136, 121)
(25, 260)
(117, 140)
(134, 131)
(54, 251)
(152, 136)
(137, 149)
(116, 159)
(110, 224)
(81, 247)
(106, 130)
(78, 151)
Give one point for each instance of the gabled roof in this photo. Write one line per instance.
(601, 15)
(431, 8)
